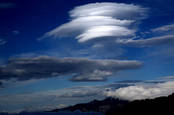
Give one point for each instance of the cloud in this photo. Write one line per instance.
(51, 99)
(163, 35)
(2, 42)
(100, 20)
(6, 5)
(165, 28)
(81, 91)
(96, 75)
(16, 32)
(104, 31)
(110, 22)
(161, 40)
(167, 78)
(139, 92)
(80, 68)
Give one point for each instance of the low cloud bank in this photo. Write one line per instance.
(139, 92)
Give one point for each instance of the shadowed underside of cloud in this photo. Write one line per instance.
(139, 92)
(80, 68)
(98, 20)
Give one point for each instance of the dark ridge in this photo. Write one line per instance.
(160, 105)
(96, 105)
(111, 106)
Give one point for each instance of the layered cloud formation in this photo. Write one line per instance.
(138, 92)
(117, 22)
(80, 68)
(98, 20)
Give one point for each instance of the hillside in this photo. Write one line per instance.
(111, 106)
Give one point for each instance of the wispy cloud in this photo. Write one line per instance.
(2, 42)
(164, 28)
(160, 40)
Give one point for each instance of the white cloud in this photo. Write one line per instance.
(110, 21)
(118, 10)
(139, 92)
(104, 31)
(98, 20)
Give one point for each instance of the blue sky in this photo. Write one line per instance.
(61, 44)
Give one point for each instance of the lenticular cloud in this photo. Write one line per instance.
(100, 20)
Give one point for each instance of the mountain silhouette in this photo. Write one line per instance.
(96, 105)
(112, 106)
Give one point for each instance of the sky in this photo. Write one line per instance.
(63, 52)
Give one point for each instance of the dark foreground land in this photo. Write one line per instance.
(111, 106)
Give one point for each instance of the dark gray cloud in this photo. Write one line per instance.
(80, 68)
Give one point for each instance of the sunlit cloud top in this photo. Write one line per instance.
(98, 20)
